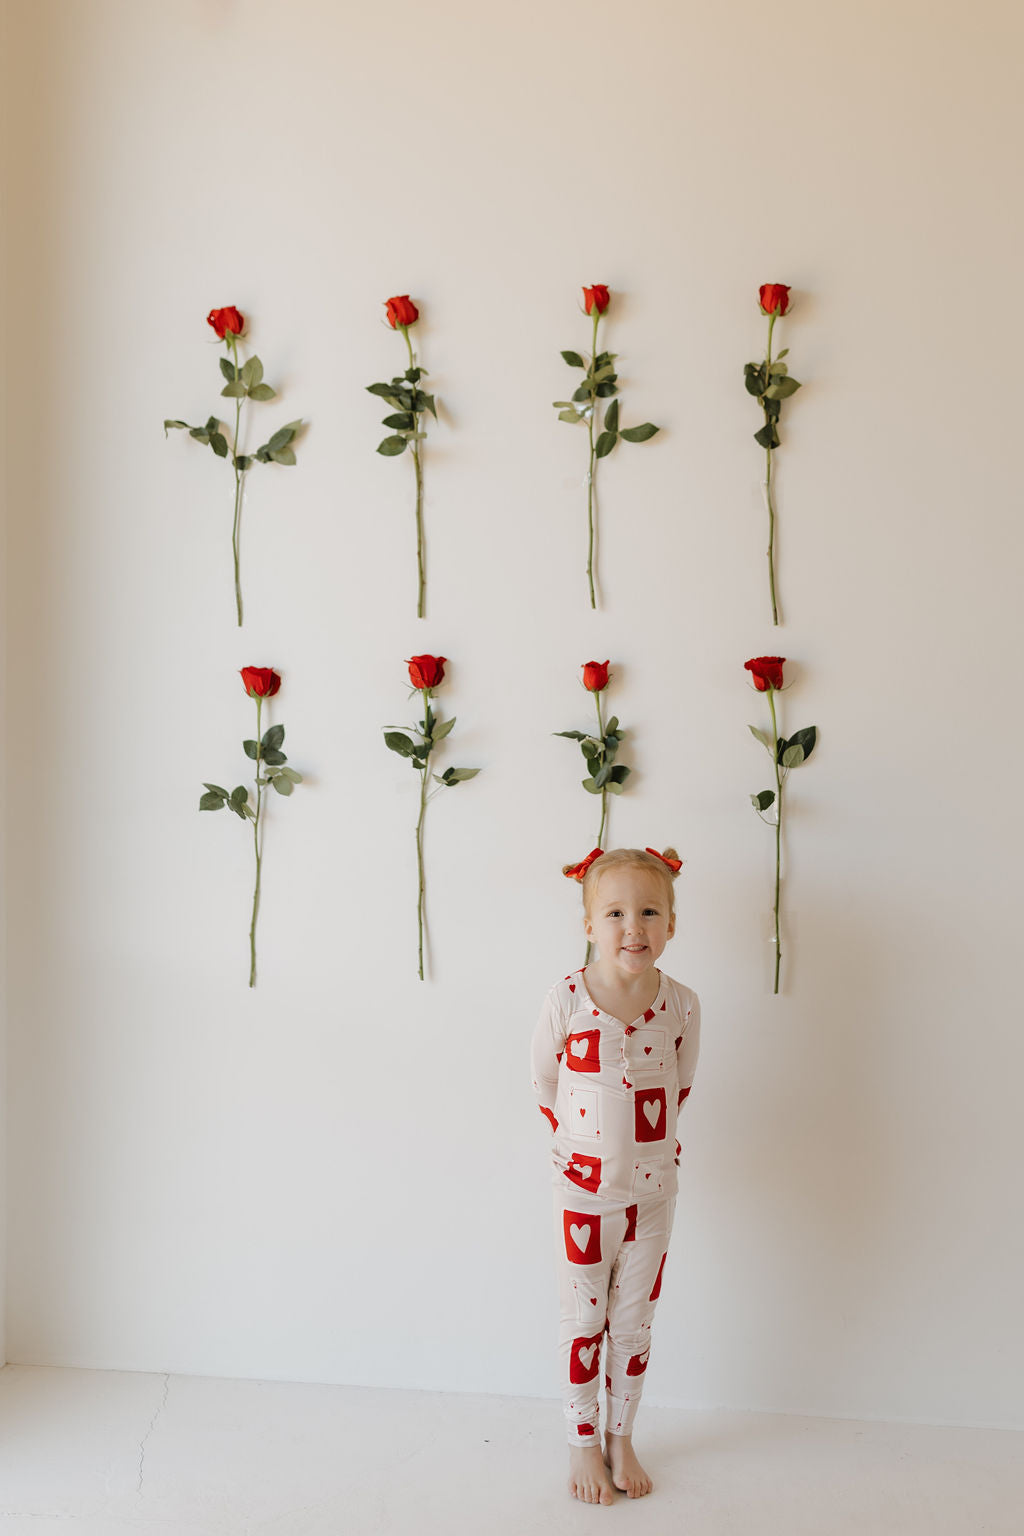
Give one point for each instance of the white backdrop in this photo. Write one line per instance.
(341, 1176)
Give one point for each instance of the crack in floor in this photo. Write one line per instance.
(152, 1425)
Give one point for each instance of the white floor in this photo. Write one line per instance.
(109, 1453)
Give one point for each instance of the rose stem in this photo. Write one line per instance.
(238, 486)
(604, 801)
(424, 774)
(257, 848)
(768, 482)
(592, 465)
(778, 831)
(604, 790)
(421, 590)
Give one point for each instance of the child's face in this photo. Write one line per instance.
(629, 919)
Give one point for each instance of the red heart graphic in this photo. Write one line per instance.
(647, 1050)
(572, 986)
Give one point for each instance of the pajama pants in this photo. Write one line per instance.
(610, 1265)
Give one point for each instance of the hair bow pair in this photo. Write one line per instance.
(577, 871)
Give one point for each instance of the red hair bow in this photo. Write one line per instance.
(675, 865)
(577, 871)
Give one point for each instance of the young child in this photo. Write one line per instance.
(613, 1057)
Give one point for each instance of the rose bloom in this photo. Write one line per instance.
(595, 676)
(401, 311)
(774, 298)
(229, 319)
(596, 297)
(260, 682)
(426, 671)
(766, 672)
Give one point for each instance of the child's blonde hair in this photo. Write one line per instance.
(629, 858)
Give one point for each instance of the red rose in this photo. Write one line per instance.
(229, 319)
(766, 672)
(426, 671)
(595, 675)
(260, 682)
(774, 298)
(401, 311)
(596, 297)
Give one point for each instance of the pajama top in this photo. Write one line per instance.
(612, 1093)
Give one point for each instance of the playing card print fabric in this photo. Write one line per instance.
(609, 1270)
(611, 1092)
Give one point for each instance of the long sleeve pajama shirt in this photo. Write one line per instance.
(611, 1094)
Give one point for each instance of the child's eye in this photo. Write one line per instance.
(650, 911)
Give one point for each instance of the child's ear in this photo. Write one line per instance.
(672, 925)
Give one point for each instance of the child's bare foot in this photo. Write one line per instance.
(627, 1473)
(588, 1475)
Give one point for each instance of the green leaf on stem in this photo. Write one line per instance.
(583, 393)
(174, 424)
(782, 389)
(754, 379)
(272, 756)
(281, 784)
(799, 747)
(607, 389)
(239, 794)
(574, 360)
(605, 443)
(782, 354)
(607, 372)
(459, 775)
(273, 736)
(442, 728)
(570, 415)
(397, 741)
(283, 455)
(290, 773)
(234, 390)
(262, 392)
(251, 749)
(401, 421)
(590, 786)
(763, 737)
(215, 789)
(252, 372)
(219, 444)
(386, 392)
(573, 735)
(227, 368)
(242, 462)
(211, 801)
(602, 775)
(281, 438)
(768, 436)
(640, 434)
(611, 417)
(391, 446)
(414, 374)
(618, 776)
(200, 434)
(763, 799)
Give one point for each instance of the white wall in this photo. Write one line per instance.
(341, 1177)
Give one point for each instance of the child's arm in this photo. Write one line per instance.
(688, 1048)
(545, 1056)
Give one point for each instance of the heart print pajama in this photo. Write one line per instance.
(611, 1094)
